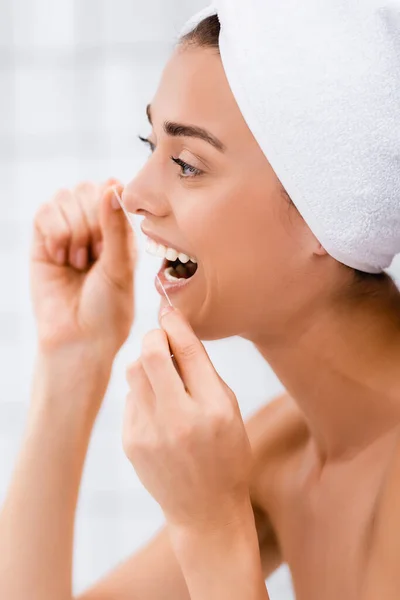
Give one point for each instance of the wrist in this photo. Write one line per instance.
(236, 528)
(72, 380)
(221, 562)
(74, 352)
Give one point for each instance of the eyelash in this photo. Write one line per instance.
(184, 165)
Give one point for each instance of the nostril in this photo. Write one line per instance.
(132, 205)
(144, 202)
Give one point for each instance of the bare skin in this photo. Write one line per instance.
(326, 456)
(336, 351)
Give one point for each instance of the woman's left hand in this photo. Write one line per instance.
(184, 434)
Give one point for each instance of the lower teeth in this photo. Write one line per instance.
(168, 274)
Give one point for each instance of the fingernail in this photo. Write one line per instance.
(81, 258)
(167, 309)
(115, 202)
(61, 256)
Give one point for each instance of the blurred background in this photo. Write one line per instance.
(75, 77)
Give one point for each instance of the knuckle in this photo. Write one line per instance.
(75, 221)
(85, 187)
(129, 435)
(46, 220)
(62, 195)
(220, 418)
(43, 212)
(138, 441)
(128, 443)
(132, 371)
(187, 428)
(111, 181)
(187, 351)
(183, 433)
(152, 355)
(152, 347)
(44, 209)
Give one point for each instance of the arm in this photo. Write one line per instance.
(81, 278)
(224, 563)
(154, 571)
(37, 519)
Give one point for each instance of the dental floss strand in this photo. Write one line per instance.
(123, 208)
(131, 224)
(163, 289)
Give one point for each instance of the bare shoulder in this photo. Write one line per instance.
(275, 431)
(383, 541)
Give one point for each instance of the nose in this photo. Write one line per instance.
(145, 194)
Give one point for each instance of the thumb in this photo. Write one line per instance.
(118, 256)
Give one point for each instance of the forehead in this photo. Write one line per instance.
(194, 89)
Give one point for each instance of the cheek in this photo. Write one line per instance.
(239, 230)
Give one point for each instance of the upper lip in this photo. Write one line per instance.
(160, 240)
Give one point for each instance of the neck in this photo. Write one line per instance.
(341, 366)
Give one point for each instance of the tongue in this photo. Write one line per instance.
(181, 271)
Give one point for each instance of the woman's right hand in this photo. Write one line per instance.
(82, 271)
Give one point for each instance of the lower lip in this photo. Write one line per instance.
(171, 287)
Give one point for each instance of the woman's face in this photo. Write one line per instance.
(254, 252)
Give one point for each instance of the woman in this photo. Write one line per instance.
(313, 477)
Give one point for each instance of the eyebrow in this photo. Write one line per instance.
(179, 129)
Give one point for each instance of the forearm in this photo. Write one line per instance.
(223, 564)
(37, 519)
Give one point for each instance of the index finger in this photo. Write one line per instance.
(195, 367)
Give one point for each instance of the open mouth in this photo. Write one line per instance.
(175, 270)
(176, 265)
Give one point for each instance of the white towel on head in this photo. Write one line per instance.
(318, 84)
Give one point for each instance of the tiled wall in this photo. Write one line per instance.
(75, 77)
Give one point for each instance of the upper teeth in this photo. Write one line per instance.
(169, 253)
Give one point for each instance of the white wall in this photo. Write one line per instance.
(75, 77)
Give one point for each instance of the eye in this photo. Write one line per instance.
(148, 142)
(187, 171)
(185, 167)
